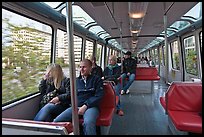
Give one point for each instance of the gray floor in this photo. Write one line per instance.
(143, 112)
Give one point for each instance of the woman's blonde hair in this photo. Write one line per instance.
(57, 74)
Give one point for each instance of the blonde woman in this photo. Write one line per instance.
(54, 88)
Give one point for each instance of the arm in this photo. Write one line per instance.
(66, 97)
(42, 86)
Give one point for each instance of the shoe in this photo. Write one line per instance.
(128, 91)
(120, 112)
(122, 92)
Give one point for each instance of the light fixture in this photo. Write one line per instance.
(134, 31)
(136, 15)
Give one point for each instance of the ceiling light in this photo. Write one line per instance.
(134, 31)
(136, 15)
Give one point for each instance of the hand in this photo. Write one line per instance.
(128, 73)
(55, 100)
(45, 76)
(82, 110)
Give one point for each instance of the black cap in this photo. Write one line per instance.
(128, 53)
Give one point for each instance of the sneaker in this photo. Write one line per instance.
(122, 92)
(128, 91)
(120, 112)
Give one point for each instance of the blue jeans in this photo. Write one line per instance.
(49, 112)
(90, 116)
(131, 79)
(117, 91)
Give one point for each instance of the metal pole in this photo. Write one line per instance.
(166, 46)
(121, 53)
(72, 72)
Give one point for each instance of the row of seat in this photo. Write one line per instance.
(146, 73)
(183, 104)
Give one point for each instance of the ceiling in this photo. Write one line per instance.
(115, 15)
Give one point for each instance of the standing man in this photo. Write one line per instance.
(128, 71)
(89, 94)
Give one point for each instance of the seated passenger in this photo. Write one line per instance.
(112, 72)
(129, 70)
(89, 90)
(96, 70)
(53, 85)
(151, 62)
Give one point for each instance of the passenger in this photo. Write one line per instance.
(96, 70)
(53, 85)
(112, 73)
(143, 61)
(129, 70)
(151, 62)
(89, 94)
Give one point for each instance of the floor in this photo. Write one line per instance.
(143, 113)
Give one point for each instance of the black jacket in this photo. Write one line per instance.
(112, 74)
(46, 86)
(129, 65)
(97, 71)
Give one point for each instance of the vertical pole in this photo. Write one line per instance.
(166, 46)
(121, 53)
(72, 72)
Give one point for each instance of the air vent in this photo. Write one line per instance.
(96, 4)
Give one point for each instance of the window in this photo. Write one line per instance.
(175, 55)
(62, 52)
(98, 54)
(88, 49)
(190, 55)
(26, 50)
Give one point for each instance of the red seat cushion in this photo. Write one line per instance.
(186, 121)
(105, 117)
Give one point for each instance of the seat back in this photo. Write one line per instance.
(108, 100)
(184, 96)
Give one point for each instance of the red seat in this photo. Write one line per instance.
(147, 73)
(183, 104)
(107, 106)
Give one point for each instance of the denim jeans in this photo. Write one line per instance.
(90, 116)
(131, 79)
(49, 112)
(117, 90)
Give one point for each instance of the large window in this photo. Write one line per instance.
(190, 55)
(26, 49)
(98, 54)
(175, 55)
(62, 51)
(88, 49)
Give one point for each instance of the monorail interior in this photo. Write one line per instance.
(144, 114)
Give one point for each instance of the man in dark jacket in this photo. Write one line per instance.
(129, 68)
(96, 70)
(89, 94)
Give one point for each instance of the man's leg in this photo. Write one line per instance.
(64, 116)
(90, 117)
(130, 81)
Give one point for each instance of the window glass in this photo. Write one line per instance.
(175, 55)
(62, 51)
(88, 49)
(98, 54)
(26, 50)
(190, 55)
